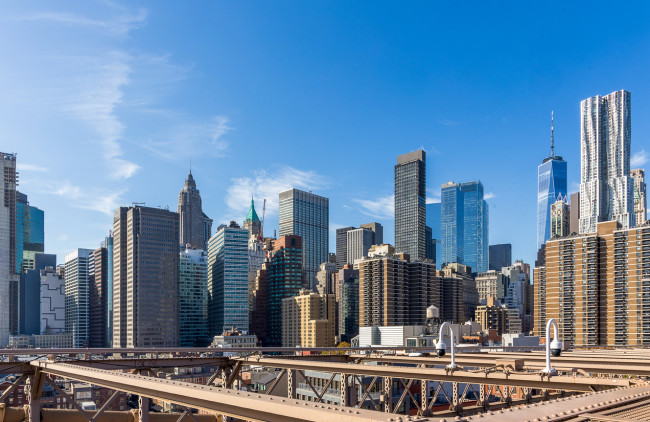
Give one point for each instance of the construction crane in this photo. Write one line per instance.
(263, 213)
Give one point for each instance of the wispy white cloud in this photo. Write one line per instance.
(181, 141)
(433, 196)
(447, 122)
(489, 195)
(95, 199)
(382, 208)
(267, 185)
(96, 93)
(121, 24)
(639, 159)
(30, 167)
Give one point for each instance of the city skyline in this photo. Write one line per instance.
(238, 152)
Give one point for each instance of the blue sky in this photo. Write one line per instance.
(105, 102)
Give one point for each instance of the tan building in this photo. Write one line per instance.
(394, 291)
(492, 316)
(308, 320)
(491, 284)
(594, 284)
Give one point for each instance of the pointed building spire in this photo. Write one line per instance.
(552, 138)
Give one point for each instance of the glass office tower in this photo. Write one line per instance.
(475, 219)
(434, 221)
(551, 182)
(464, 225)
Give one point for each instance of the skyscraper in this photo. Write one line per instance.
(434, 216)
(145, 282)
(551, 182)
(410, 200)
(252, 223)
(306, 215)
(284, 278)
(76, 296)
(377, 232)
(342, 246)
(195, 226)
(8, 277)
(476, 230)
(606, 188)
(359, 241)
(228, 280)
(108, 245)
(193, 298)
(30, 233)
(500, 256)
(98, 297)
(640, 199)
(465, 225)
(452, 224)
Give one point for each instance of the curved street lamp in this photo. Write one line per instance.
(554, 347)
(441, 346)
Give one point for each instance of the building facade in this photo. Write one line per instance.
(193, 298)
(308, 320)
(574, 213)
(306, 215)
(640, 199)
(606, 188)
(465, 225)
(433, 220)
(195, 227)
(52, 302)
(284, 278)
(551, 183)
(410, 200)
(394, 291)
(500, 256)
(252, 223)
(8, 277)
(145, 277)
(97, 297)
(348, 301)
(359, 241)
(342, 246)
(228, 280)
(30, 233)
(377, 232)
(77, 290)
(594, 285)
(560, 218)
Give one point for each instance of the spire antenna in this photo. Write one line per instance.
(552, 138)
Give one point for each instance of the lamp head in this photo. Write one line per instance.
(441, 348)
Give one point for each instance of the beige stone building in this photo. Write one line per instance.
(308, 320)
(491, 316)
(595, 285)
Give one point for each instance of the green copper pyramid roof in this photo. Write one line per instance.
(252, 215)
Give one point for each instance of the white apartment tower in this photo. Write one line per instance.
(76, 296)
(606, 188)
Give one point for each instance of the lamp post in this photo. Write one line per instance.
(554, 347)
(441, 347)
